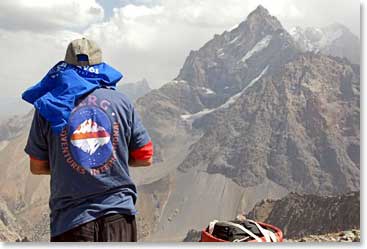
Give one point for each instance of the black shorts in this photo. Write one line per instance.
(108, 228)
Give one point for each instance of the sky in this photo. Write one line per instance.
(141, 38)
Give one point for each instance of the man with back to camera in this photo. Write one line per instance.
(85, 135)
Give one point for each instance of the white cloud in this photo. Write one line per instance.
(27, 56)
(279, 8)
(153, 40)
(144, 38)
(43, 15)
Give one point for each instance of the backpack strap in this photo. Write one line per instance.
(269, 235)
(211, 226)
(258, 239)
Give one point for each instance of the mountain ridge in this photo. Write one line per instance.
(334, 39)
(135, 90)
(211, 123)
(294, 128)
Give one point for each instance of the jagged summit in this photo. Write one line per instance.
(226, 64)
(135, 90)
(260, 11)
(261, 18)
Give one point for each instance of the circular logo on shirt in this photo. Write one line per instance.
(90, 137)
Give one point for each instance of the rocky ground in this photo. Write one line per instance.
(299, 215)
(308, 218)
(344, 236)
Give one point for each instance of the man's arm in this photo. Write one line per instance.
(37, 146)
(39, 167)
(140, 163)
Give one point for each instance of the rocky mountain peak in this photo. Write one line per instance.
(226, 64)
(281, 129)
(143, 82)
(135, 90)
(259, 13)
(261, 19)
(260, 10)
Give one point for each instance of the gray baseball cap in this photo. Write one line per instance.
(83, 52)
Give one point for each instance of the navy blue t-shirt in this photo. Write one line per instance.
(89, 159)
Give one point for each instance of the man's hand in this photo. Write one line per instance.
(39, 167)
(140, 163)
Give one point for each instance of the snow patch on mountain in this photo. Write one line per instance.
(3, 144)
(177, 82)
(221, 54)
(207, 90)
(228, 103)
(257, 48)
(234, 40)
(315, 39)
(197, 115)
(233, 99)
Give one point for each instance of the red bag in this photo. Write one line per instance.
(270, 233)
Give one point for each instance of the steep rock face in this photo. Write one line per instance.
(224, 65)
(353, 235)
(19, 187)
(300, 215)
(297, 126)
(152, 197)
(26, 195)
(14, 126)
(307, 218)
(135, 90)
(192, 236)
(258, 113)
(8, 224)
(335, 40)
(210, 77)
(161, 116)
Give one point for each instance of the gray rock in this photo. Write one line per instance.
(302, 215)
(297, 126)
